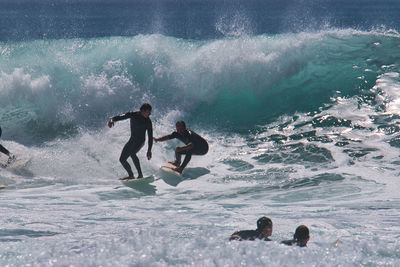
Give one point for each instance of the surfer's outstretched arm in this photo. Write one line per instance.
(162, 139)
(125, 116)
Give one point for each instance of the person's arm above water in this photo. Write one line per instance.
(121, 117)
(288, 242)
(235, 236)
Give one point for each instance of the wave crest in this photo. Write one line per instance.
(236, 83)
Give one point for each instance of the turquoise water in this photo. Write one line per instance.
(303, 127)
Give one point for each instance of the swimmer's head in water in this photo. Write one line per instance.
(302, 233)
(263, 222)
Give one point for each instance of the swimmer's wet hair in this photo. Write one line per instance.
(302, 233)
(263, 222)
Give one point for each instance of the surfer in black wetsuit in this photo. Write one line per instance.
(263, 231)
(194, 145)
(140, 123)
(4, 150)
(300, 237)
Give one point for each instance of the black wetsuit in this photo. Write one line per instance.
(200, 146)
(139, 125)
(2, 148)
(248, 235)
(293, 242)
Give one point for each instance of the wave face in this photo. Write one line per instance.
(233, 83)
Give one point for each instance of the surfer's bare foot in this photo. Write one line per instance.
(179, 169)
(174, 163)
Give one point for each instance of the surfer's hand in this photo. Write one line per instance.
(110, 123)
(148, 155)
(155, 139)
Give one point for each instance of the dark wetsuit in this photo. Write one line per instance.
(139, 125)
(2, 148)
(293, 242)
(248, 235)
(200, 146)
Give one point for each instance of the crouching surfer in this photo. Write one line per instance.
(194, 145)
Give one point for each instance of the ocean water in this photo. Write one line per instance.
(299, 101)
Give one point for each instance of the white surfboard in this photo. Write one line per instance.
(127, 181)
(2, 186)
(169, 169)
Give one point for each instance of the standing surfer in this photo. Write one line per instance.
(140, 123)
(194, 145)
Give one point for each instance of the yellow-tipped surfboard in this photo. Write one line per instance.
(169, 168)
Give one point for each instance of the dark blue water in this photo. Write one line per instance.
(188, 19)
